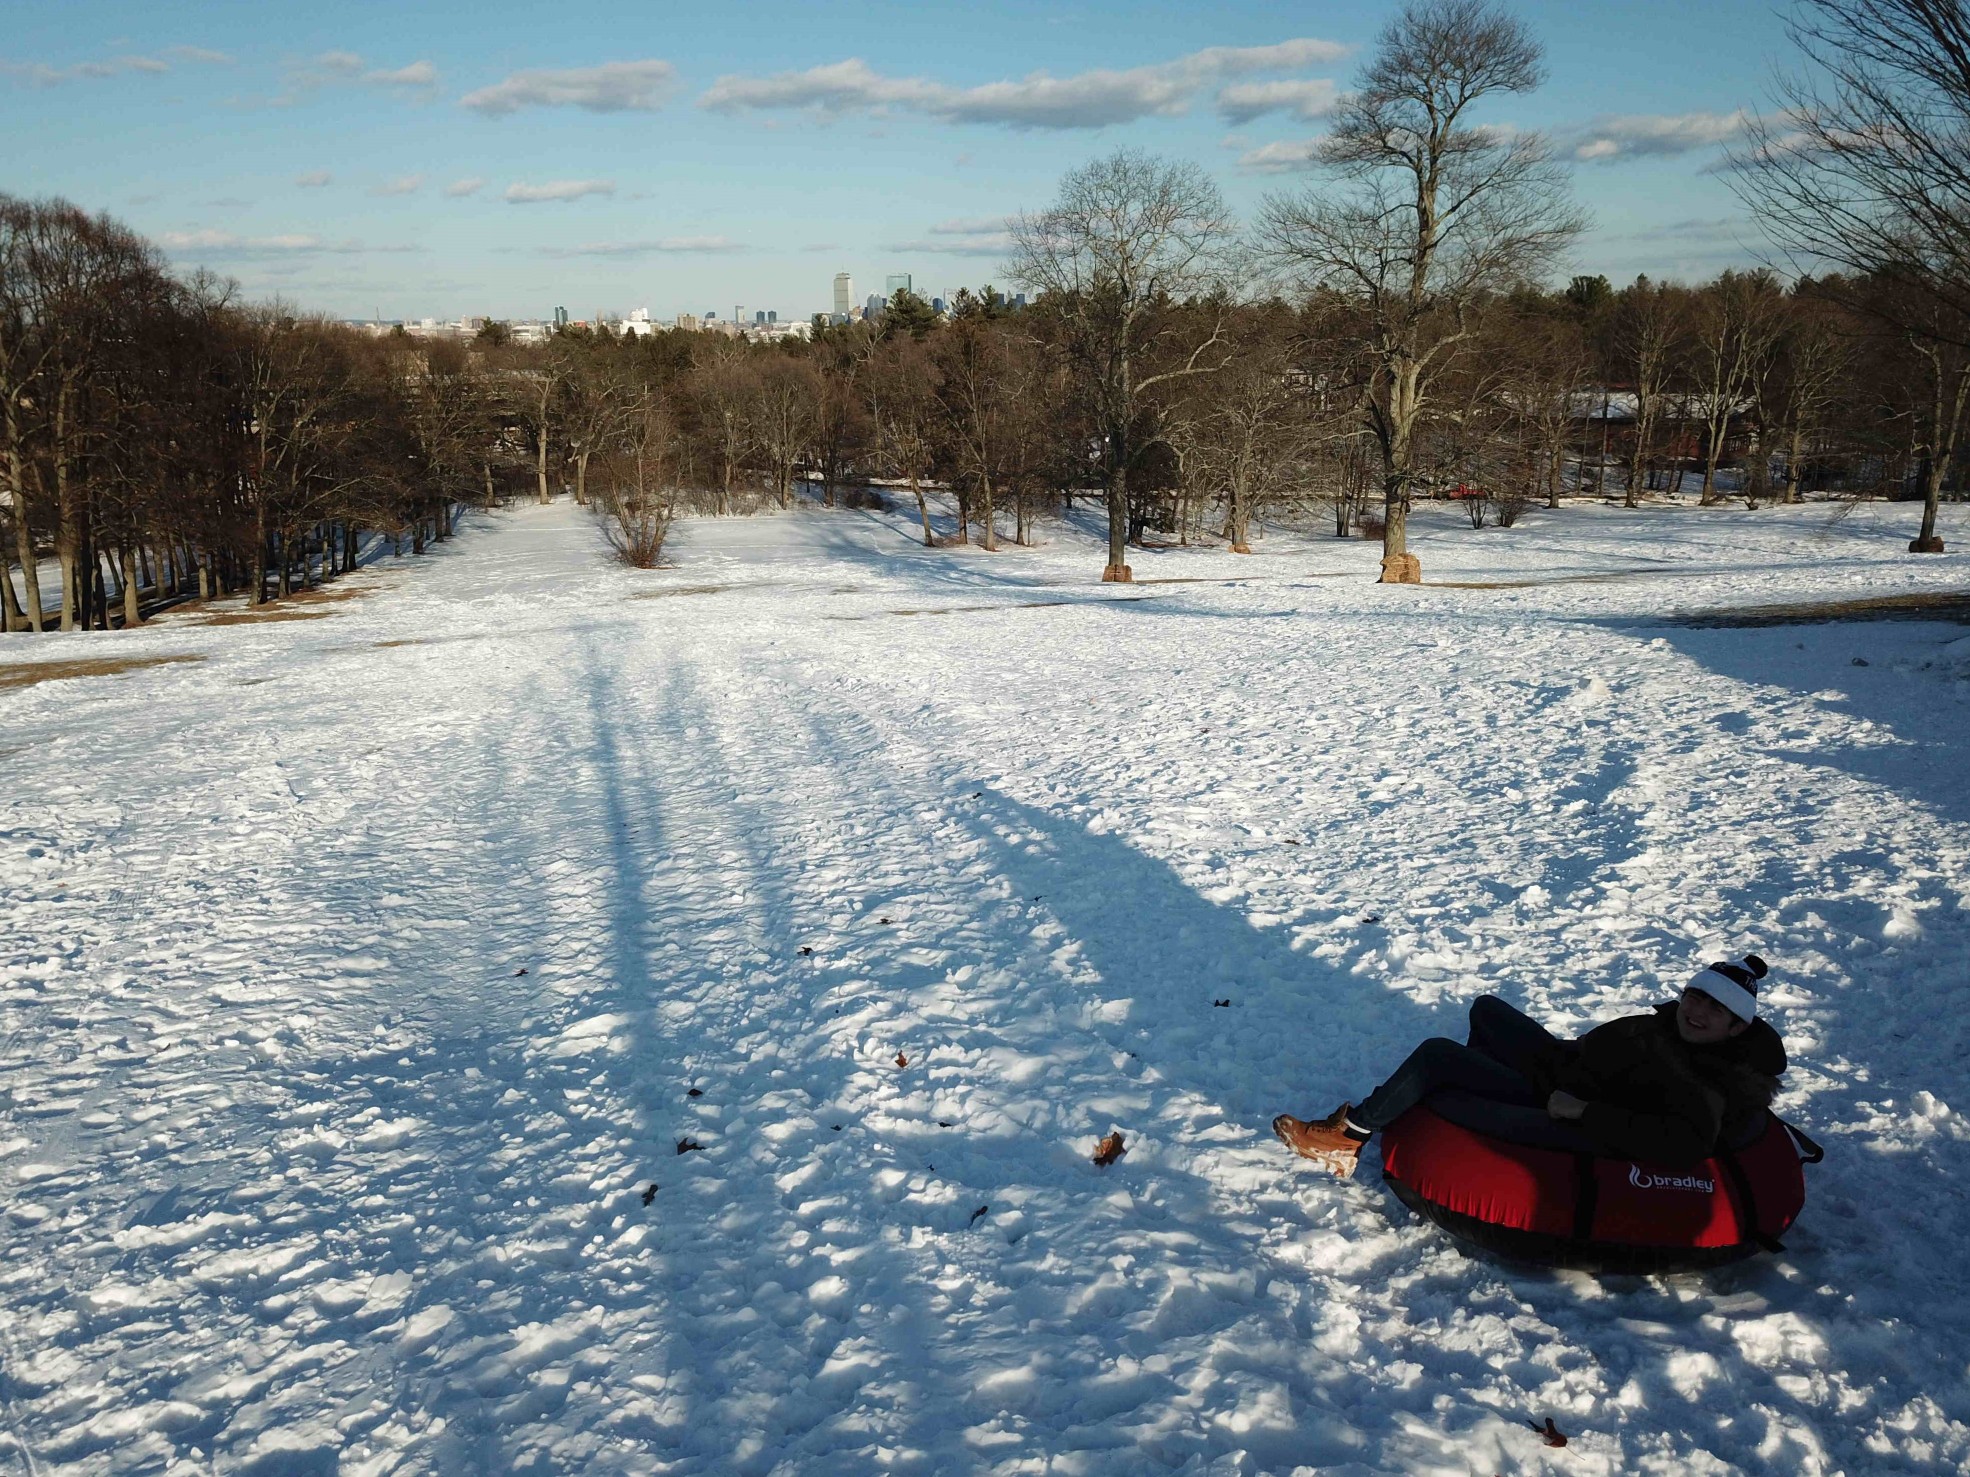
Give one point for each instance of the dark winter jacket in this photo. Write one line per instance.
(1651, 1095)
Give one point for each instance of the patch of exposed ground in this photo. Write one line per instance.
(1942, 605)
(26, 674)
(300, 606)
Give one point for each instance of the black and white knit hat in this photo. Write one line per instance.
(1734, 986)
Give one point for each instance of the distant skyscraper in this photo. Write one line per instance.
(739, 315)
(874, 306)
(772, 316)
(560, 317)
(759, 318)
(844, 294)
(895, 283)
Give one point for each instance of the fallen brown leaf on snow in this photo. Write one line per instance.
(1110, 1149)
(901, 1060)
(1549, 1433)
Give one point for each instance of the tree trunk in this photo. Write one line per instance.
(989, 540)
(12, 617)
(540, 457)
(1118, 571)
(30, 573)
(133, 614)
(923, 512)
(257, 594)
(581, 477)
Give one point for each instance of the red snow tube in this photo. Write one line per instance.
(1569, 1209)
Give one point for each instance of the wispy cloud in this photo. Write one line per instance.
(1651, 135)
(458, 189)
(417, 77)
(1308, 98)
(560, 189)
(1093, 99)
(982, 236)
(664, 246)
(314, 179)
(215, 245)
(1287, 156)
(403, 184)
(42, 74)
(613, 87)
(348, 68)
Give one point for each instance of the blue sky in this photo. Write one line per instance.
(443, 159)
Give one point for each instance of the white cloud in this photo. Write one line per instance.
(560, 189)
(342, 63)
(41, 74)
(1651, 135)
(403, 184)
(668, 245)
(214, 245)
(1093, 99)
(613, 87)
(420, 76)
(1288, 156)
(1308, 98)
(979, 236)
(314, 179)
(458, 189)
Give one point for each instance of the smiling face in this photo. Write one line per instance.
(1701, 1021)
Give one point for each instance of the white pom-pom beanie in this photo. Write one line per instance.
(1734, 986)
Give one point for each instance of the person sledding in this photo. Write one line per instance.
(1662, 1087)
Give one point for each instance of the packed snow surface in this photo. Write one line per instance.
(366, 986)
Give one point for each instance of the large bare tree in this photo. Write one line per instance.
(1866, 167)
(1425, 212)
(1128, 236)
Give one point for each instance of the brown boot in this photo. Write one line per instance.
(1325, 1141)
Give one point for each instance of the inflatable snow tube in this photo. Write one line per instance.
(1562, 1206)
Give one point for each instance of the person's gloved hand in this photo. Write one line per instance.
(1565, 1105)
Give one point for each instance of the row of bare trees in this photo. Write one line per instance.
(1376, 336)
(159, 442)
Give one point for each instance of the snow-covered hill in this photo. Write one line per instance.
(365, 984)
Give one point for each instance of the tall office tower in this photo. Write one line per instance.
(896, 282)
(844, 294)
(739, 316)
(560, 317)
(759, 318)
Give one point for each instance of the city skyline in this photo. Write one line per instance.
(361, 160)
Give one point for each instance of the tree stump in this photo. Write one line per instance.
(1117, 574)
(1930, 545)
(1241, 548)
(1401, 569)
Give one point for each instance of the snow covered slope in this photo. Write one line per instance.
(360, 982)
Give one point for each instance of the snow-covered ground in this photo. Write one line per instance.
(360, 982)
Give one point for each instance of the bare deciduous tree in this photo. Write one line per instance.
(1128, 235)
(1866, 167)
(1432, 211)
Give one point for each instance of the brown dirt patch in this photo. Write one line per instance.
(683, 590)
(27, 674)
(1943, 605)
(303, 605)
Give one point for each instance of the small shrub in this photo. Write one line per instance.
(1510, 506)
(864, 497)
(1370, 526)
(635, 526)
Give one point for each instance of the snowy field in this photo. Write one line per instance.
(360, 980)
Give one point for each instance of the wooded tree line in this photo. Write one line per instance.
(159, 441)
(1374, 337)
